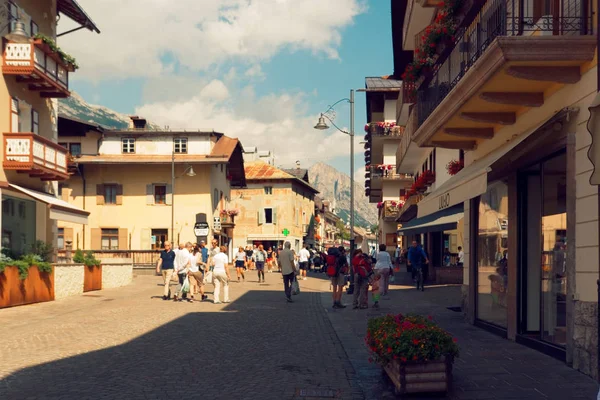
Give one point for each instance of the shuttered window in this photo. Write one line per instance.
(110, 239)
(35, 122)
(14, 115)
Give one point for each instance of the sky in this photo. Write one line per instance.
(258, 70)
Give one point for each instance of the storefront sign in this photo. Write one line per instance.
(444, 201)
(451, 195)
(217, 223)
(201, 228)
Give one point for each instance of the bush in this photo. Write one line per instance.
(410, 338)
(79, 257)
(42, 249)
(24, 263)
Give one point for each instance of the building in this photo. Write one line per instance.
(275, 206)
(514, 97)
(144, 187)
(252, 154)
(326, 223)
(35, 75)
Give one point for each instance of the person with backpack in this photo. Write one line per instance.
(363, 271)
(416, 259)
(337, 267)
(260, 257)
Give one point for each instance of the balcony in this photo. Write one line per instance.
(409, 156)
(35, 155)
(510, 57)
(38, 66)
(390, 210)
(419, 14)
(390, 174)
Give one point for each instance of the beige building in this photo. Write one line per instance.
(326, 224)
(143, 187)
(274, 207)
(516, 103)
(35, 75)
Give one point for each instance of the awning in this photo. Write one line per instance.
(444, 220)
(58, 209)
(71, 9)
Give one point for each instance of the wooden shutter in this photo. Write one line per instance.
(123, 239)
(145, 239)
(99, 195)
(261, 216)
(14, 115)
(119, 195)
(169, 196)
(68, 237)
(150, 194)
(274, 215)
(96, 238)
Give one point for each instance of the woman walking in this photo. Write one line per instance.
(221, 275)
(270, 259)
(196, 275)
(361, 282)
(240, 263)
(259, 260)
(383, 267)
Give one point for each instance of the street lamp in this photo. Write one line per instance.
(322, 125)
(189, 171)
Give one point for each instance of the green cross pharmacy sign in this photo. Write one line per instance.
(285, 232)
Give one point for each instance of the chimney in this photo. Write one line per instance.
(137, 122)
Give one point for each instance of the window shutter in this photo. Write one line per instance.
(14, 114)
(119, 194)
(96, 238)
(169, 196)
(274, 214)
(123, 239)
(261, 216)
(99, 195)
(150, 194)
(145, 239)
(68, 235)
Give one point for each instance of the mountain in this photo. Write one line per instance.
(334, 185)
(76, 107)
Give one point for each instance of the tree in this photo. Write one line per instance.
(343, 232)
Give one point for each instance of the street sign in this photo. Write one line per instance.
(285, 232)
(217, 223)
(201, 229)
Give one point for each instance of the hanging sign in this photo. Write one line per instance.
(201, 229)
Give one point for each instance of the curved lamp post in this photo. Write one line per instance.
(322, 125)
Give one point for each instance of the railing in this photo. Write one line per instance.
(501, 18)
(390, 212)
(140, 258)
(381, 129)
(390, 174)
(25, 151)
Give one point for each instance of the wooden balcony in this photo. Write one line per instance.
(35, 155)
(390, 212)
(38, 66)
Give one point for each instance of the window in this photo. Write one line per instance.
(14, 115)
(75, 149)
(159, 237)
(268, 189)
(34, 28)
(110, 239)
(128, 145)
(180, 145)
(35, 122)
(60, 243)
(110, 194)
(13, 14)
(160, 194)
(268, 215)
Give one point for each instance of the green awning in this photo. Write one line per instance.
(444, 220)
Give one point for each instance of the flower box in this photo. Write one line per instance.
(92, 278)
(420, 377)
(37, 287)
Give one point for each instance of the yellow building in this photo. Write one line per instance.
(326, 224)
(512, 90)
(35, 75)
(276, 206)
(143, 187)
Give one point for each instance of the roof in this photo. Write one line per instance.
(73, 10)
(384, 83)
(70, 126)
(152, 159)
(401, 57)
(299, 173)
(225, 147)
(260, 170)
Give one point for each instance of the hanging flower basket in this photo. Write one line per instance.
(454, 167)
(428, 177)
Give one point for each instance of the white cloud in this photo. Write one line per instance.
(148, 38)
(273, 122)
(255, 72)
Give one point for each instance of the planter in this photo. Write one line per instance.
(421, 377)
(38, 287)
(92, 278)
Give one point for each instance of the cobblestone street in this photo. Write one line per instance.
(128, 343)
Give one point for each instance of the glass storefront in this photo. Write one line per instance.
(18, 224)
(492, 255)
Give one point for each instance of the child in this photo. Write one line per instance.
(375, 290)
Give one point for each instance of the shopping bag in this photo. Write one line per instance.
(295, 287)
(185, 288)
(208, 278)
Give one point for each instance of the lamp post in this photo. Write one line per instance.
(322, 125)
(189, 171)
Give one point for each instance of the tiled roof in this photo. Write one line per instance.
(224, 147)
(259, 170)
(383, 82)
(299, 173)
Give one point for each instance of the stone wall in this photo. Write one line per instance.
(116, 274)
(68, 280)
(585, 335)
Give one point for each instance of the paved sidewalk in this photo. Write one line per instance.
(124, 344)
(489, 367)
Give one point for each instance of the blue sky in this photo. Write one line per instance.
(263, 80)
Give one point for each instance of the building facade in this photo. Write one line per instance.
(144, 187)
(326, 224)
(35, 75)
(274, 207)
(517, 106)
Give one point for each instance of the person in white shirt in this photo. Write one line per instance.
(195, 275)
(461, 257)
(304, 256)
(384, 268)
(221, 274)
(182, 266)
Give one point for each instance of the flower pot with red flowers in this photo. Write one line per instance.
(428, 177)
(414, 352)
(454, 167)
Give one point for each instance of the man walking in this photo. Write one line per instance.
(288, 269)
(416, 259)
(461, 257)
(303, 262)
(204, 252)
(166, 263)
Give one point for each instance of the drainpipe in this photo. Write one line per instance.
(80, 169)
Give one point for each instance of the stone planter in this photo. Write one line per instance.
(38, 287)
(92, 278)
(421, 377)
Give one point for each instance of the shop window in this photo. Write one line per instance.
(110, 239)
(180, 145)
(269, 190)
(159, 237)
(160, 194)
(60, 239)
(110, 194)
(128, 145)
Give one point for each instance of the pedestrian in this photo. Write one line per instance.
(317, 262)
(221, 274)
(182, 263)
(196, 274)
(240, 263)
(337, 256)
(397, 255)
(360, 271)
(249, 254)
(304, 256)
(375, 290)
(166, 265)
(384, 268)
(204, 252)
(270, 259)
(461, 257)
(259, 260)
(288, 270)
(416, 259)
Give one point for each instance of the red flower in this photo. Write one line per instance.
(415, 342)
(415, 358)
(389, 349)
(403, 359)
(454, 340)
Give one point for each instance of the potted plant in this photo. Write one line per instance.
(414, 352)
(428, 177)
(454, 167)
(232, 213)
